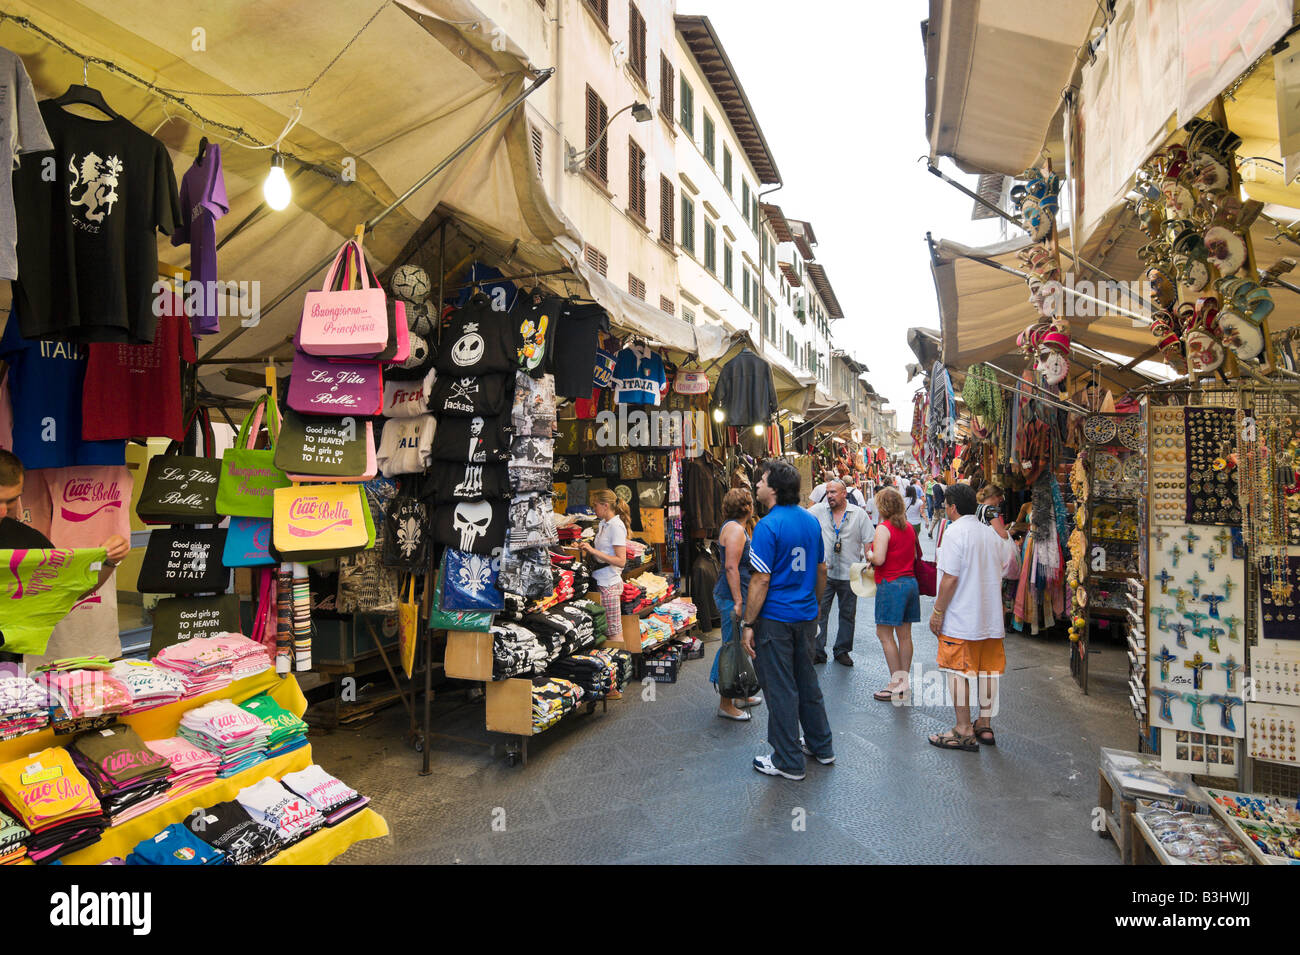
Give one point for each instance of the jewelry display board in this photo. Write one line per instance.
(1272, 732)
(1210, 436)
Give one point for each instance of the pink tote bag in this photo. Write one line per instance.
(345, 322)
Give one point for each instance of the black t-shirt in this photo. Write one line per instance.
(87, 246)
(15, 535)
(573, 349)
(475, 440)
(453, 481)
(482, 395)
(536, 316)
(475, 526)
(478, 340)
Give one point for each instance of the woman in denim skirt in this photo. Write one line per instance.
(733, 586)
(898, 599)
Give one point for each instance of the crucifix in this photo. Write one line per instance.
(1231, 667)
(1225, 714)
(1232, 626)
(1196, 701)
(1162, 617)
(1212, 633)
(1213, 600)
(1180, 597)
(1197, 665)
(1179, 630)
(1229, 585)
(1210, 555)
(1196, 619)
(1166, 697)
(1224, 537)
(1164, 577)
(1196, 581)
(1191, 537)
(1159, 534)
(1164, 658)
(1174, 555)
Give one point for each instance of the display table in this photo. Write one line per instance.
(162, 722)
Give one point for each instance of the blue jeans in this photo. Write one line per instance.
(791, 692)
(726, 607)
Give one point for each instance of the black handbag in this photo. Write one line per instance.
(178, 619)
(184, 560)
(182, 488)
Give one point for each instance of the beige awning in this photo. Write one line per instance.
(995, 70)
(420, 81)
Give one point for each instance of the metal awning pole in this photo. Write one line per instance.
(1063, 403)
(383, 214)
(1016, 222)
(983, 260)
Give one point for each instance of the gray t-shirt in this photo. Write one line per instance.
(855, 533)
(22, 131)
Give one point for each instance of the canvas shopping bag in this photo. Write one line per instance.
(408, 619)
(249, 476)
(184, 560)
(320, 520)
(319, 448)
(347, 322)
(182, 488)
(178, 619)
(248, 543)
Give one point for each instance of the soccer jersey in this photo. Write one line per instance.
(787, 544)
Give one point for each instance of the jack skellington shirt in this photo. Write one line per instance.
(478, 340)
(476, 440)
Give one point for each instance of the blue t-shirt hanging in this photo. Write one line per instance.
(639, 376)
(45, 384)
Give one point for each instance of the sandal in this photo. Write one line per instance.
(884, 696)
(953, 740)
(984, 734)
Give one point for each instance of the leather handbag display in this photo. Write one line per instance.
(181, 488)
(315, 521)
(249, 475)
(347, 322)
(320, 448)
(184, 560)
(248, 543)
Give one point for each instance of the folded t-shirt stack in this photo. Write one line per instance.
(83, 694)
(569, 621)
(175, 845)
(49, 795)
(681, 613)
(227, 826)
(563, 591)
(13, 835)
(568, 533)
(655, 631)
(148, 685)
(203, 663)
(191, 767)
(516, 651)
(247, 657)
(288, 731)
(238, 737)
(129, 778)
(289, 816)
(552, 698)
(64, 664)
(24, 706)
(330, 797)
(596, 677)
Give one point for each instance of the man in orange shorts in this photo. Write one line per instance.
(977, 553)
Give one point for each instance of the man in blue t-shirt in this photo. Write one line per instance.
(780, 623)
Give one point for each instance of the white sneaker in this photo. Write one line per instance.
(764, 765)
(824, 760)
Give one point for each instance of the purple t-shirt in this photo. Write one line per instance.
(203, 202)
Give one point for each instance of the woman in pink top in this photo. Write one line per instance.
(898, 599)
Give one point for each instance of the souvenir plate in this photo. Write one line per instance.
(1099, 429)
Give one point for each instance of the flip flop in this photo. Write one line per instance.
(884, 696)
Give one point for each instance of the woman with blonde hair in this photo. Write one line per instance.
(610, 551)
(898, 598)
(733, 586)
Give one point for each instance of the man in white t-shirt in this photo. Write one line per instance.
(967, 617)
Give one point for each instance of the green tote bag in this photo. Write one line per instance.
(249, 476)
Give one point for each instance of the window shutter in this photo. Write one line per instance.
(537, 146)
(688, 107)
(708, 139)
(635, 180)
(666, 304)
(601, 9)
(636, 286)
(665, 86)
(710, 247)
(597, 118)
(726, 169)
(596, 259)
(666, 209)
(726, 267)
(636, 41)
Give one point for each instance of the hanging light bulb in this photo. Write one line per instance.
(758, 429)
(276, 188)
(718, 414)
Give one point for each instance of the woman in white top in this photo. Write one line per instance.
(610, 550)
(914, 512)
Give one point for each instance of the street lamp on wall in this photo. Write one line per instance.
(575, 158)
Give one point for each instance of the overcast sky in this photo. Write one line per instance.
(839, 90)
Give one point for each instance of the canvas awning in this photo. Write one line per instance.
(415, 85)
(995, 70)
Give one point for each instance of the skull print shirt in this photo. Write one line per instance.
(475, 526)
(478, 340)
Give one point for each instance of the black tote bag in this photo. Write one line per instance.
(178, 619)
(184, 560)
(182, 488)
